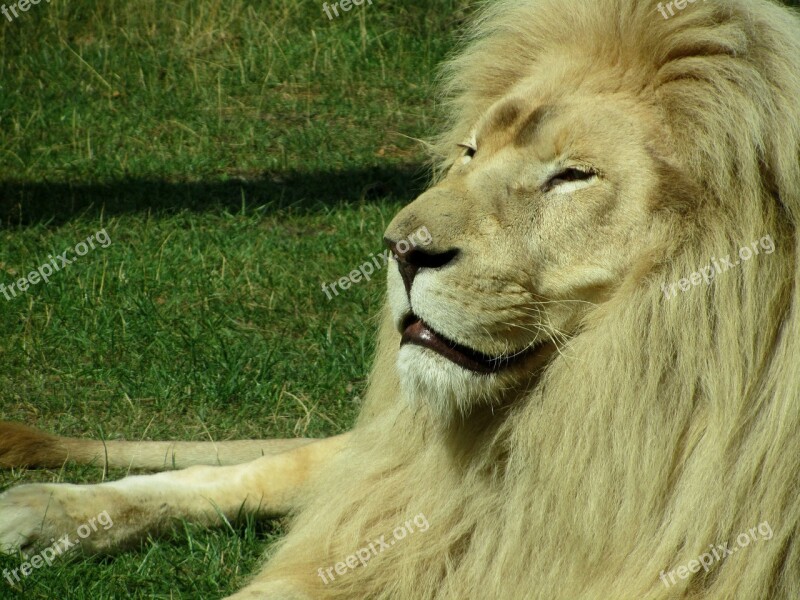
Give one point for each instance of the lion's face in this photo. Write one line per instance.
(548, 206)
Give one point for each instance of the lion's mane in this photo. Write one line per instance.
(663, 428)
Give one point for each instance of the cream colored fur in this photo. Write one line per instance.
(639, 430)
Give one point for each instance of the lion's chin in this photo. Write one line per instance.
(429, 380)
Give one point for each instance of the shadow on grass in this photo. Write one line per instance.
(28, 203)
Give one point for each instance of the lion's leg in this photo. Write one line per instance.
(30, 515)
(22, 446)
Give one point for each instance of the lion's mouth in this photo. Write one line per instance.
(416, 331)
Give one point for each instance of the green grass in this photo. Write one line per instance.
(238, 154)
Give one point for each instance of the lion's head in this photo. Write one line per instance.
(582, 170)
(556, 196)
(609, 433)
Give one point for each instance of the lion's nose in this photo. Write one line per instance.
(415, 258)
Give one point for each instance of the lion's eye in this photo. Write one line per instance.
(469, 152)
(569, 175)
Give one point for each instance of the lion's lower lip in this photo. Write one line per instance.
(416, 331)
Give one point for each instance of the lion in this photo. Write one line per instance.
(541, 420)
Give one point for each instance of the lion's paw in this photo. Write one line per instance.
(42, 515)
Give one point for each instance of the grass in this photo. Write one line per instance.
(238, 154)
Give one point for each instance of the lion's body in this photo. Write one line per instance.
(666, 426)
(661, 427)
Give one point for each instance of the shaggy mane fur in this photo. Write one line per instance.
(665, 426)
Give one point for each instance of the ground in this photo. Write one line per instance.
(238, 155)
